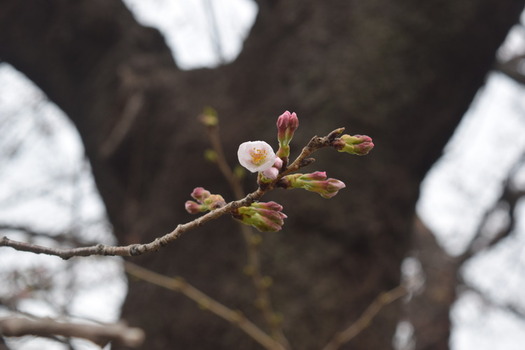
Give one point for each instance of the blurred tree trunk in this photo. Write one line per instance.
(403, 72)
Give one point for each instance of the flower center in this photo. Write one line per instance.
(258, 155)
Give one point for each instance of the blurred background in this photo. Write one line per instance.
(471, 199)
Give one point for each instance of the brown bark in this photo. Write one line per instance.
(403, 72)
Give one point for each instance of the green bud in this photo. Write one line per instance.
(357, 144)
(210, 155)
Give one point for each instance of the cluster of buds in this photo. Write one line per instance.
(359, 145)
(314, 182)
(265, 217)
(272, 169)
(204, 201)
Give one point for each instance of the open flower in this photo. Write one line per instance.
(256, 156)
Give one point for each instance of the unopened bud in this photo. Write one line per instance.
(200, 194)
(278, 163)
(214, 201)
(313, 182)
(193, 207)
(205, 201)
(287, 123)
(265, 217)
(354, 144)
(271, 173)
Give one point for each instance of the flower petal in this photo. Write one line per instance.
(256, 156)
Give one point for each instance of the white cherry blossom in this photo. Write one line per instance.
(256, 156)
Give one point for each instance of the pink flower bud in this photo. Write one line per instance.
(331, 187)
(200, 194)
(263, 216)
(271, 173)
(205, 201)
(192, 207)
(268, 205)
(314, 182)
(278, 163)
(357, 144)
(287, 123)
(316, 175)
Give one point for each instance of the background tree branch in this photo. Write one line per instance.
(46, 327)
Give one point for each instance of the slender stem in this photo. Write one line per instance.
(134, 249)
(252, 241)
(366, 317)
(222, 163)
(16, 326)
(234, 317)
(313, 145)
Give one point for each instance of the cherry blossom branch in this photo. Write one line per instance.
(133, 249)
(315, 144)
(47, 327)
(366, 317)
(139, 249)
(234, 317)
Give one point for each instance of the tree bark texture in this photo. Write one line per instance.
(403, 72)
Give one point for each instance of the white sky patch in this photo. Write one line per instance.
(46, 185)
(467, 180)
(196, 29)
(480, 326)
(455, 195)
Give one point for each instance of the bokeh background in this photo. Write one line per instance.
(48, 195)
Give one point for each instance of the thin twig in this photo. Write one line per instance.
(234, 317)
(222, 163)
(252, 241)
(45, 327)
(366, 317)
(133, 249)
(315, 143)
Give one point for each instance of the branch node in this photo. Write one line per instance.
(100, 248)
(136, 250)
(306, 162)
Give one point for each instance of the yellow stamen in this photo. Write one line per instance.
(258, 155)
